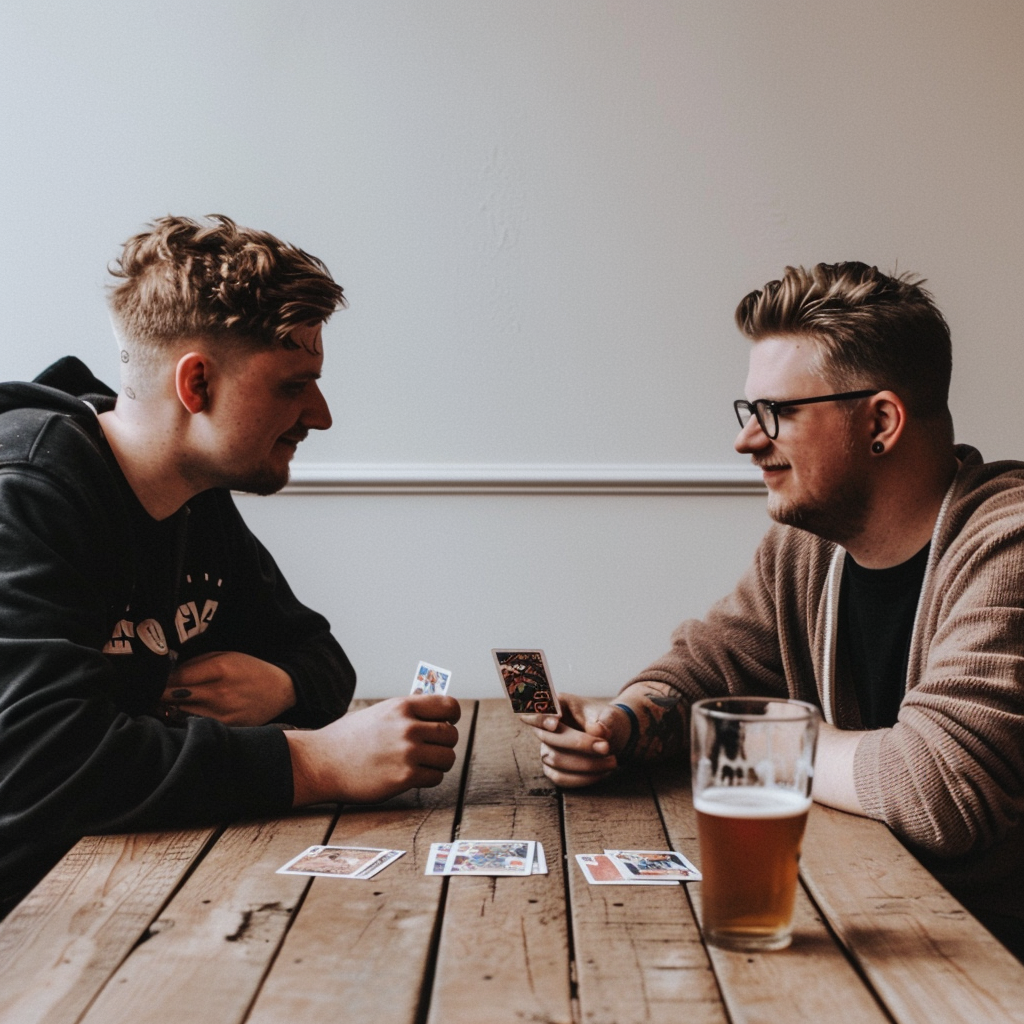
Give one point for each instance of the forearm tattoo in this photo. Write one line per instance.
(662, 718)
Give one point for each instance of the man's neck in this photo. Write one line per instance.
(143, 447)
(903, 514)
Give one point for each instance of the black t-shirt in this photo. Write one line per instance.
(876, 619)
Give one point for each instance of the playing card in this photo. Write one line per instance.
(439, 852)
(340, 861)
(655, 864)
(527, 681)
(490, 857)
(600, 869)
(430, 679)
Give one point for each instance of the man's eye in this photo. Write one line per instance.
(293, 387)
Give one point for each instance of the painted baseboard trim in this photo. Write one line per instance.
(492, 478)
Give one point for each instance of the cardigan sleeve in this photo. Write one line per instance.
(948, 777)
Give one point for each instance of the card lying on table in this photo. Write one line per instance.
(439, 853)
(637, 867)
(654, 864)
(430, 679)
(527, 682)
(341, 861)
(600, 869)
(490, 857)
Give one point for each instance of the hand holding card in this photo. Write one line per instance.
(527, 682)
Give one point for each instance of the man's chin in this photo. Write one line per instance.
(263, 483)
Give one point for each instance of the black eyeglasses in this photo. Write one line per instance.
(767, 411)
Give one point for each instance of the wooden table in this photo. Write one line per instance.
(196, 926)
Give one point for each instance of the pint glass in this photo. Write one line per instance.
(753, 764)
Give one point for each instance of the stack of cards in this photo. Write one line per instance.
(341, 861)
(487, 857)
(636, 867)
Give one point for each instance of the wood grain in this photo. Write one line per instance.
(805, 982)
(927, 958)
(639, 955)
(361, 951)
(59, 946)
(503, 953)
(210, 947)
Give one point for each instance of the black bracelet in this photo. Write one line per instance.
(634, 732)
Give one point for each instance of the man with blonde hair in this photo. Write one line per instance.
(889, 592)
(152, 656)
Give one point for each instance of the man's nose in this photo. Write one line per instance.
(317, 415)
(751, 438)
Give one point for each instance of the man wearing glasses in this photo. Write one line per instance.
(889, 592)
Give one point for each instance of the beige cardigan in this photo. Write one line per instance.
(948, 778)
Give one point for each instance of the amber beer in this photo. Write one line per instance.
(750, 849)
(753, 764)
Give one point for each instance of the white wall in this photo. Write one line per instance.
(544, 213)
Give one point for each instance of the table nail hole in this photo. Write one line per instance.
(616, 904)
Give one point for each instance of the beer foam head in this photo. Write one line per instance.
(751, 802)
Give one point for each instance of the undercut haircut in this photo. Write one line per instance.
(871, 330)
(216, 280)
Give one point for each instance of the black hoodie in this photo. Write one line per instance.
(97, 601)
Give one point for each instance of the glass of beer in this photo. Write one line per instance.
(753, 764)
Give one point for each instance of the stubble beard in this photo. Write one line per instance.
(840, 517)
(840, 520)
(261, 480)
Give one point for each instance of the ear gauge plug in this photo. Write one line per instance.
(878, 447)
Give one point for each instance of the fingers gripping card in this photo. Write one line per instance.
(527, 682)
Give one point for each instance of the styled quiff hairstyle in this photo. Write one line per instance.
(183, 279)
(871, 330)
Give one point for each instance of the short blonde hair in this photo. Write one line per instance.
(872, 330)
(183, 278)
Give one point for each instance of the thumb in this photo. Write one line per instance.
(598, 721)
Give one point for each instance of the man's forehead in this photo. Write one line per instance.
(781, 365)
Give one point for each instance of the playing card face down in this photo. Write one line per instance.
(430, 679)
(527, 682)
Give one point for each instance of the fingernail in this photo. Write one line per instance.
(600, 747)
(181, 694)
(551, 724)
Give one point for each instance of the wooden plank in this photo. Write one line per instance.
(63, 941)
(209, 949)
(639, 954)
(361, 951)
(926, 956)
(803, 983)
(503, 952)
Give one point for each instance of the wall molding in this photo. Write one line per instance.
(519, 478)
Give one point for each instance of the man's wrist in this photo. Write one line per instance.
(627, 749)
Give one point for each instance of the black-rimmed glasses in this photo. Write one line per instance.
(766, 410)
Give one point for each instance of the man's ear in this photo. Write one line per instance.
(889, 418)
(191, 382)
